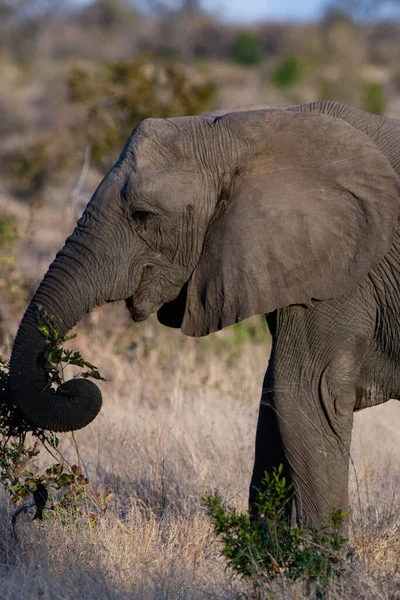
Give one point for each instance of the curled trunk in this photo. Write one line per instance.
(65, 297)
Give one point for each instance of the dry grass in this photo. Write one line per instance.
(136, 554)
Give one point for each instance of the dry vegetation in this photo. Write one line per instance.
(179, 414)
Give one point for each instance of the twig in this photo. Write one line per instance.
(14, 515)
(58, 458)
(81, 180)
(76, 449)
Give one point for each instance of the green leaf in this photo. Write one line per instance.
(93, 374)
(44, 330)
(65, 479)
(55, 469)
(90, 366)
(31, 486)
(69, 337)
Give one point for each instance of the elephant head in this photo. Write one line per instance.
(209, 220)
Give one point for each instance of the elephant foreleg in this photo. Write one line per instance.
(269, 453)
(307, 428)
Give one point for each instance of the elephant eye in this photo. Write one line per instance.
(141, 217)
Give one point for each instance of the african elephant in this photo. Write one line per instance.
(292, 212)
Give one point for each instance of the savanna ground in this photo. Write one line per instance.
(179, 414)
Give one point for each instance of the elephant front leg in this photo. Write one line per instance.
(269, 454)
(305, 427)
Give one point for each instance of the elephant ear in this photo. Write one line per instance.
(311, 207)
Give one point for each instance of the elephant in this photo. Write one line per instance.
(288, 211)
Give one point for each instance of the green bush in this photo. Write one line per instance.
(108, 101)
(288, 72)
(14, 290)
(62, 483)
(46, 159)
(251, 330)
(247, 49)
(120, 94)
(263, 547)
(374, 98)
(8, 231)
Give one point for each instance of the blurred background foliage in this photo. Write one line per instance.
(247, 49)
(77, 78)
(122, 93)
(13, 285)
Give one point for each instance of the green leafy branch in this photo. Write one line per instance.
(62, 483)
(264, 546)
(56, 356)
(14, 453)
(68, 490)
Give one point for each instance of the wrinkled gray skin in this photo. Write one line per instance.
(288, 211)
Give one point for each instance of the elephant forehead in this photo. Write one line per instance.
(154, 154)
(160, 142)
(165, 187)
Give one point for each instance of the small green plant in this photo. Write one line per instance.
(288, 72)
(14, 454)
(62, 483)
(13, 284)
(264, 546)
(247, 49)
(232, 340)
(374, 98)
(250, 330)
(8, 231)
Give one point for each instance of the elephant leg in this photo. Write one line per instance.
(306, 412)
(318, 452)
(269, 451)
(302, 429)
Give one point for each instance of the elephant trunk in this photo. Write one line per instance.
(66, 293)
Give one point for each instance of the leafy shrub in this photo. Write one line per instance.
(247, 49)
(288, 72)
(123, 93)
(251, 330)
(13, 284)
(264, 546)
(374, 98)
(14, 454)
(32, 166)
(109, 101)
(62, 483)
(8, 231)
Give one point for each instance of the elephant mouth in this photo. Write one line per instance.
(137, 314)
(139, 305)
(169, 313)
